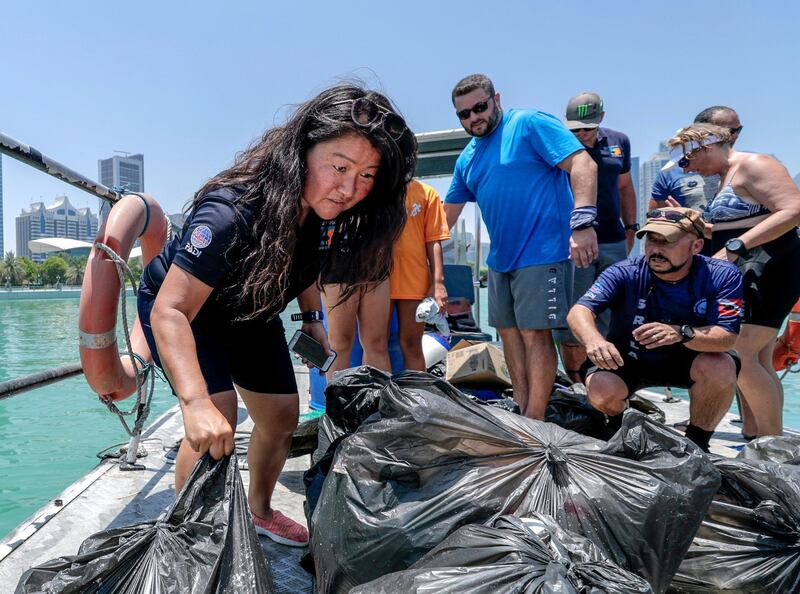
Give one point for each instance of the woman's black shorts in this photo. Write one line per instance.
(252, 354)
(771, 280)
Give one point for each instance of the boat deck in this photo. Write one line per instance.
(108, 497)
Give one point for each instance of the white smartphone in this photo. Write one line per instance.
(311, 350)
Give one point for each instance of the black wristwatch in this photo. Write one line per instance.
(736, 246)
(632, 227)
(308, 316)
(687, 333)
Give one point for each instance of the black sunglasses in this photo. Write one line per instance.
(736, 130)
(683, 162)
(576, 130)
(479, 107)
(368, 114)
(675, 217)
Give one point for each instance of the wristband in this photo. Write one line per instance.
(308, 316)
(583, 217)
(632, 227)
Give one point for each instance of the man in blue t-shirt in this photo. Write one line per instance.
(674, 314)
(616, 208)
(523, 168)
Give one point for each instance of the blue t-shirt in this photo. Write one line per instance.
(711, 295)
(525, 199)
(687, 188)
(612, 153)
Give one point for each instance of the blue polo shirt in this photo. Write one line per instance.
(711, 295)
(687, 188)
(525, 199)
(612, 153)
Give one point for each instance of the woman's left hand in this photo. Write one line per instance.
(724, 254)
(316, 331)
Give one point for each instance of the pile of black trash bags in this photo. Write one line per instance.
(204, 543)
(418, 487)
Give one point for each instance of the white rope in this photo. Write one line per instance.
(145, 372)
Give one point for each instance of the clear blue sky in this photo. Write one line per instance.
(190, 84)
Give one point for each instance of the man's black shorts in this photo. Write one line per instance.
(674, 371)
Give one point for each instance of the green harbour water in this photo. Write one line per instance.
(49, 436)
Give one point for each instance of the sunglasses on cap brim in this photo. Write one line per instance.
(674, 216)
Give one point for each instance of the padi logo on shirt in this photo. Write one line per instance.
(616, 151)
(200, 238)
(415, 210)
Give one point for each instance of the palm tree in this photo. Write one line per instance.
(11, 270)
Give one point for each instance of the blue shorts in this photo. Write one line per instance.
(251, 354)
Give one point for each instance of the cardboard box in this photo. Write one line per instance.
(481, 363)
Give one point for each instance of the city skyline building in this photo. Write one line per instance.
(2, 244)
(60, 219)
(635, 181)
(648, 173)
(121, 171)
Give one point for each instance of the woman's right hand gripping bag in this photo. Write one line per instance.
(437, 461)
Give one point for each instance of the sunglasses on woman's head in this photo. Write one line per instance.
(683, 162)
(368, 114)
(479, 107)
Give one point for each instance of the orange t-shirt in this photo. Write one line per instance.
(426, 222)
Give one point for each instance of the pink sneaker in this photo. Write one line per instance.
(282, 530)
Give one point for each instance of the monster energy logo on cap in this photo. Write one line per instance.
(584, 110)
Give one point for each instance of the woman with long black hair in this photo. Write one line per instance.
(253, 241)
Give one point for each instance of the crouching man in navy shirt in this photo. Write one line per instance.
(674, 316)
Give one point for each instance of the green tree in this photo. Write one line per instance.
(135, 264)
(11, 270)
(75, 267)
(54, 270)
(32, 270)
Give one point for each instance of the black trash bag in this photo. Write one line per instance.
(437, 461)
(351, 399)
(314, 478)
(571, 410)
(773, 448)
(327, 433)
(647, 407)
(750, 539)
(304, 438)
(511, 555)
(204, 543)
(352, 396)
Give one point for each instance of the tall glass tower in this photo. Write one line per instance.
(2, 245)
(125, 172)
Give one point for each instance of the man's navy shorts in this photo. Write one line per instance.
(674, 372)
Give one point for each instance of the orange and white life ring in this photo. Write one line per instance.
(133, 217)
(787, 348)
